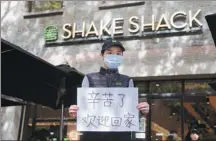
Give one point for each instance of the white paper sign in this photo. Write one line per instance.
(107, 109)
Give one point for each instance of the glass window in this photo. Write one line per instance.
(201, 116)
(48, 113)
(142, 87)
(47, 121)
(165, 87)
(198, 87)
(165, 120)
(37, 6)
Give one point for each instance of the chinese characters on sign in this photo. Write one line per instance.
(107, 109)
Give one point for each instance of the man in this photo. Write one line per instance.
(195, 135)
(108, 76)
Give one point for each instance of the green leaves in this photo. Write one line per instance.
(46, 5)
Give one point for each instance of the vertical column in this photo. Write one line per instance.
(149, 100)
(10, 119)
(34, 115)
(182, 110)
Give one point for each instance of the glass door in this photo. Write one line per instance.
(165, 117)
(202, 109)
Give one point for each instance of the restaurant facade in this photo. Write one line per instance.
(170, 54)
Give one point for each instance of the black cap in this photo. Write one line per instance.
(111, 42)
(195, 131)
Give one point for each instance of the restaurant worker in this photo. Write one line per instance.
(109, 76)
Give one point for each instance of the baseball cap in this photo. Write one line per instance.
(195, 131)
(111, 42)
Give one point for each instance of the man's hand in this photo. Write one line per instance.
(73, 110)
(143, 107)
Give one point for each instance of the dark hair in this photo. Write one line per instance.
(192, 131)
(102, 52)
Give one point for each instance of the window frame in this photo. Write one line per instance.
(32, 14)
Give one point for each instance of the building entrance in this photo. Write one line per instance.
(176, 106)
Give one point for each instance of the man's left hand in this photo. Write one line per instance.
(143, 107)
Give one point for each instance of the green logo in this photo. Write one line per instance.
(118, 83)
(51, 33)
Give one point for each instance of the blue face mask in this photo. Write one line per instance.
(113, 61)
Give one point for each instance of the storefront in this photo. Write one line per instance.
(169, 52)
(176, 105)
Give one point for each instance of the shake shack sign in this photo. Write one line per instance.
(133, 27)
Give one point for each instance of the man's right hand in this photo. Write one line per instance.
(73, 110)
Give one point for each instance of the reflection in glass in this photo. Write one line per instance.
(142, 87)
(201, 116)
(165, 119)
(47, 119)
(46, 5)
(165, 87)
(198, 87)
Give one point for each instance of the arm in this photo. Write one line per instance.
(73, 108)
(131, 84)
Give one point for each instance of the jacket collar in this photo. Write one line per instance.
(108, 71)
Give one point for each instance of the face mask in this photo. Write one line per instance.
(113, 61)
